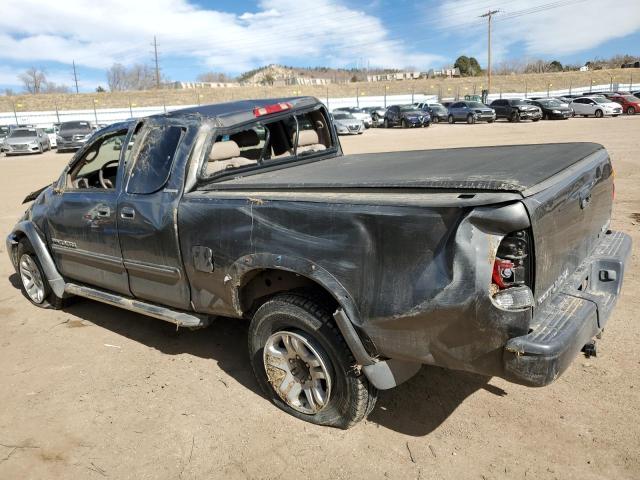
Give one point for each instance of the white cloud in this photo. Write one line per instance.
(97, 34)
(568, 29)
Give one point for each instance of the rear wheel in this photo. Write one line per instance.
(35, 285)
(303, 364)
(631, 111)
(450, 119)
(545, 116)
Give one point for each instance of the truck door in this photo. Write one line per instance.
(82, 216)
(147, 214)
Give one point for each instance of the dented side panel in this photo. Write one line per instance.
(415, 280)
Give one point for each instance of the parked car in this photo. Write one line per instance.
(553, 109)
(26, 140)
(406, 116)
(630, 103)
(471, 112)
(352, 271)
(377, 115)
(437, 111)
(73, 135)
(346, 124)
(516, 109)
(52, 133)
(4, 133)
(596, 106)
(359, 113)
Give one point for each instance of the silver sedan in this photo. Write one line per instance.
(26, 140)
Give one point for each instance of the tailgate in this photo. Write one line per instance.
(569, 213)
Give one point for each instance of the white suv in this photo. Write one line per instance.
(596, 106)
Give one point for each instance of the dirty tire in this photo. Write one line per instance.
(50, 299)
(351, 397)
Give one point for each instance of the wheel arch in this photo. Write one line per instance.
(257, 277)
(27, 229)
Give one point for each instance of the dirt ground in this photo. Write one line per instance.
(96, 392)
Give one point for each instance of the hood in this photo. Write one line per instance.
(347, 122)
(20, 140)
(513, 168)
(415, 113)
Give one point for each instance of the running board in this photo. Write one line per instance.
(180, 318)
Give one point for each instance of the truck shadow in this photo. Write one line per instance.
(417, 407)
(420, 405)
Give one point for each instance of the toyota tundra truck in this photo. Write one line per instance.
(352, 270)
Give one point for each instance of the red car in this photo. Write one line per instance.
(630, 103)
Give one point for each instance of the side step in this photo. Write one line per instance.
(180, 318)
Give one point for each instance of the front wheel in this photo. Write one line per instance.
(303, 364)
(435, 119)
(385, 123)
(450, 119)
(35, 285)
(535, 120)
(515, 117)
(599, 114)
(404, 123)
(631, 111)
(471, 119)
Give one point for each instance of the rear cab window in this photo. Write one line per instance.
(268, 142)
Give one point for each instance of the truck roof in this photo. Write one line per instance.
(241, 111)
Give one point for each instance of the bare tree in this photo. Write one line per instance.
(33, 80)
(213, 77)
(52, 87)
(116, 77)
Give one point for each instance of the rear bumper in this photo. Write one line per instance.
(573, 315)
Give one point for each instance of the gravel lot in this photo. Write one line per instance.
(97, 392)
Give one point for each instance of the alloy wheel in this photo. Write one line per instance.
(31, 278)
(298, 371)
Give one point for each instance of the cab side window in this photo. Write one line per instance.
(98, 166)
(154, 158)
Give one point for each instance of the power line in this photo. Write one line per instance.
(489, 15)
(75, 75)
(155, 54)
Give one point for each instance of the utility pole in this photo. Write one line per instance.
(155, 54)
(75, 75)
(489, 15)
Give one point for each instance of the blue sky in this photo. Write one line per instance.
(196, 36)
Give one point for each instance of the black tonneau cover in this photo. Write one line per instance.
(514, 168)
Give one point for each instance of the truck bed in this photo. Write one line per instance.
(513, 168)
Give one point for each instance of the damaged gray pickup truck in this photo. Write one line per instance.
(352, 270)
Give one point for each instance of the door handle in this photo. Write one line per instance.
(127, 213)
(104, 212)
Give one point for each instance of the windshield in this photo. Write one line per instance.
(4, 130)
(436, 105)
(476, 105)
(601, 100)
(631, 98)
(343, 116)
(518, 102)
(408, 108)
(22, 133)
(75, 126)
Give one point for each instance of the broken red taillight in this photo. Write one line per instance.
(268, 109)
(511, 276)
